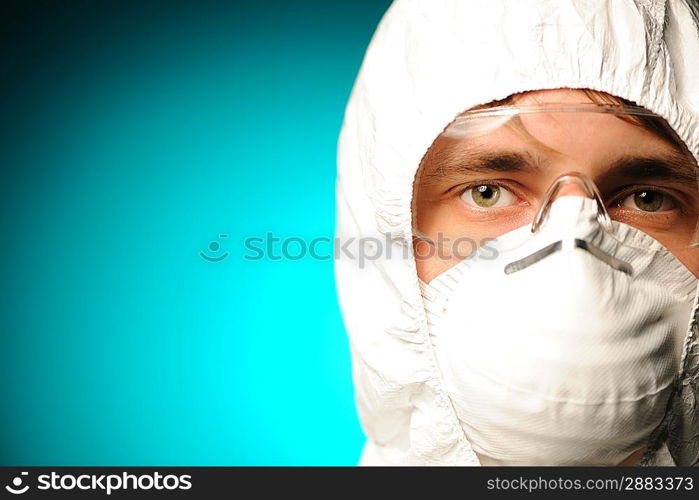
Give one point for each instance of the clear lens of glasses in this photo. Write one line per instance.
(498, 169)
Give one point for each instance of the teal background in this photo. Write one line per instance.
(131, 135)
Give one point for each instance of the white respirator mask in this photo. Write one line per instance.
(561, 347)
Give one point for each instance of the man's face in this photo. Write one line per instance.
(485, 186)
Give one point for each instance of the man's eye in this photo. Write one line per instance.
(488, 196)
(648, 201)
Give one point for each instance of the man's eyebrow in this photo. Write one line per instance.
(460, 162)
(676, 168)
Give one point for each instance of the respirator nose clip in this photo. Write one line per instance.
(595, 251)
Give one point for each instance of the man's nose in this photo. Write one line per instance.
(573, 189)
(571, 184)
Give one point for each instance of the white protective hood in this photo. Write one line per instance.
(428, 61)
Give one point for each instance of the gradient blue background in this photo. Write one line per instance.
(131, 135)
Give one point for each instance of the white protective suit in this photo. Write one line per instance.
(428, 61)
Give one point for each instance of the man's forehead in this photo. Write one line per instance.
(588, 139)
